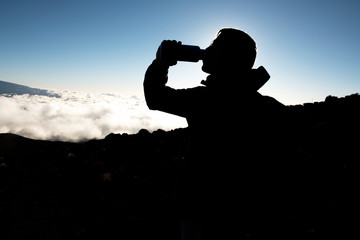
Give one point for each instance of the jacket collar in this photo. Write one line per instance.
(251, 80)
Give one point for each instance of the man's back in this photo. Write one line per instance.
(232, 139)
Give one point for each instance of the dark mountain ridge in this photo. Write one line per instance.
(11, 89)
(124, 185)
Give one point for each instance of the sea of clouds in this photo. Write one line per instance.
(78, 116)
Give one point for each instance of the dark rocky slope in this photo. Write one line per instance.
(123, 186)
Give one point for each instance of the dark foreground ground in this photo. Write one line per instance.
(123, 186)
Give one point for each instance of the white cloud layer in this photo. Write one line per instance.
(76, 116)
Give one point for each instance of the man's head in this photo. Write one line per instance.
(232, 51)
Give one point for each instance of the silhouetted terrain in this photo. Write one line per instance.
(124, 186)
(10, 89)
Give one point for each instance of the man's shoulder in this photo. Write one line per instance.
(194, 91)
(190, 95)
(271, 101)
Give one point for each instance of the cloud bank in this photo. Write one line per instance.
(76, 116)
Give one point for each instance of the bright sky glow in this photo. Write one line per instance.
(310, 48)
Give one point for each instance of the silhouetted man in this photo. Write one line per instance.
(228, 185)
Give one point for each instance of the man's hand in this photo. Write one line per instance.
(167, 52)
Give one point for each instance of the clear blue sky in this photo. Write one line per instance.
(310, 48)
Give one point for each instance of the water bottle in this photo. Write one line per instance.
(187, 53)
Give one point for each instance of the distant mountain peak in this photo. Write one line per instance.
(10, 89)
